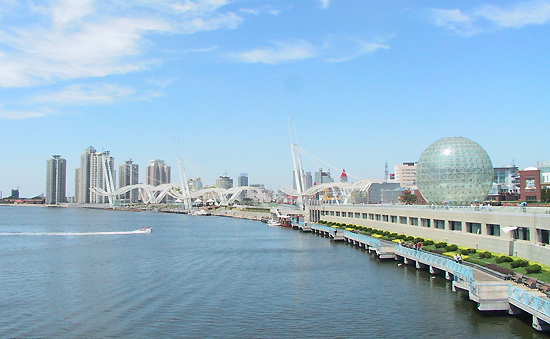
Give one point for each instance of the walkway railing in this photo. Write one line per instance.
(322, 228)
(441, 262)
(529, 300)
(373, 242)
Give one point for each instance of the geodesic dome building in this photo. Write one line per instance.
(455, 170)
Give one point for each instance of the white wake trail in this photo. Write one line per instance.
(79, 233)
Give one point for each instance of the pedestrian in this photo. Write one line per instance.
(419, 245)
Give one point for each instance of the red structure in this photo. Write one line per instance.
(343, 176)
(529, 184)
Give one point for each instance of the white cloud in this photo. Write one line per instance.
(340, 49)
(280, 52)
(79, 39)
(325, 4)
(489, 17)
(80, 94)
(65, 11)
(455, 20)
(18, 115)
(522, 14)
(335, 49)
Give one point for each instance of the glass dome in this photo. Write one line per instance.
(455, 170)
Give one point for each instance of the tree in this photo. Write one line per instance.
(545, 195)
(409, 199)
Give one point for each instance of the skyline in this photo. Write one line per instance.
(365, 82)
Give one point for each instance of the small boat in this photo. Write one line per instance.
(273, 222)
(146, 229)
(201, 212)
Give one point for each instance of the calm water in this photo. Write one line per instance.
(213, 277)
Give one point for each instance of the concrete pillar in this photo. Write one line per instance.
(405, 261)
(419, 265)
(448, 275)
(433, 270)
(540, 325)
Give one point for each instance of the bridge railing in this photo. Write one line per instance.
(322, 228)
(441, 262)
(529, 300)
(373, 242)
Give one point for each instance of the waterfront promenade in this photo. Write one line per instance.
(490, 290)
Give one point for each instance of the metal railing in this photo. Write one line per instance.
(364, 239)
(441, 262)
(529, 300)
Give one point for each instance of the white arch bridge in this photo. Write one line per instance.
(155, 194)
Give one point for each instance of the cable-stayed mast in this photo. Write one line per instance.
(297, 162)
(183, 180)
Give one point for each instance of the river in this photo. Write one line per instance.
(214, 277)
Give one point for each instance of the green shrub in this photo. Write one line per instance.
(481, 255)
(409, 238)
(418, 239)
(487, 255)
(440, 244)
(472, 250)
(533, 269)
(503, 258)
(427, 243)
(519, 263)
(465, 251)
(451, 248)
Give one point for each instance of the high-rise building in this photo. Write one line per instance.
(544, 167)
(128, 174)
(307, 180)
(158, 173)
(97, 170)
(322, 177)
(56, 180)
(405, 174)
(242, 180)
(224, 182)
(195, 184)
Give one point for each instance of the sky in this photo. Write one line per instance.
(363, 83)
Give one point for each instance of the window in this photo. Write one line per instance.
(332, 213)
(439, 224)
(350, 214)
(455, 225)
(365, 215)
(337, 214)
(493, 229)
(413, 221)
(394, 219)
(371, 216)
(385, 218)
(544, 236)
(522, 233)
(473, 227)
(378, 217)
(403, 220)
(426, 222)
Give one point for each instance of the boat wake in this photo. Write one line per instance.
(141, 231)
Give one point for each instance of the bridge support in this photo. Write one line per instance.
(434, 270)
(540, 325)
(419, 265)
(448, 275)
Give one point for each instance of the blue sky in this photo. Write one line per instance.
(366, 82)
